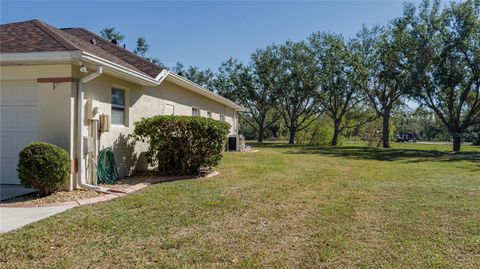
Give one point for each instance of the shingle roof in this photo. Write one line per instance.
(27, 37)
(140, 63)
(37, 36)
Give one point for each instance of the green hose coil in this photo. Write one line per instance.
(107, 172)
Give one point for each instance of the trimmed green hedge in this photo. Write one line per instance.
(182, 145)
(43, 166)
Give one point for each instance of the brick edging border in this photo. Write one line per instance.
(98, 199)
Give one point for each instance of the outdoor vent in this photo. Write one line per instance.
(93, 41)
(114, 41)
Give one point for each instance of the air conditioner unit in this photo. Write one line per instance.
(236, 143)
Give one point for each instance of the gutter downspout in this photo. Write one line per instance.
(80, 119)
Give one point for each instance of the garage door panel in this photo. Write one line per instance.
(8, 143)
(9, 118)
(17, 93)
(8, 94)
(18, 125)
(26, 93)
(21, 140)
(9, 176)
(18, 118)
(27, 118)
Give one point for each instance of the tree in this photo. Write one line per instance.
(250, 85)
(386, 72)
(473, 134)
(110, 34)
(448, 64)
(340, 93)
(203, 78)
(295, 75)
(156, 61)
(142, 47)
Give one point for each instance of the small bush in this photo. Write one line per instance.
(182, 145)
(43, 166)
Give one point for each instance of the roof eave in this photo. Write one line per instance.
(56, 57)
(119, 70)
(181, 81)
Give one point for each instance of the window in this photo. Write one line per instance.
(195, 111)
(169, 109)
(118, 106)
(209, 114)
(222, 117)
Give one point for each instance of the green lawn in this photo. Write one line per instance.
(284, 206)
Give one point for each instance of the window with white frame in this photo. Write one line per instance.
(209, 114)
(222, 117)
(118, 106)
(195, 111)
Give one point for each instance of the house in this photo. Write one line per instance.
(47, 72)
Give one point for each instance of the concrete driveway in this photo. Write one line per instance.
(12, 218)
(8, 191)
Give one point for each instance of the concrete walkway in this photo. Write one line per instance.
(14, 218)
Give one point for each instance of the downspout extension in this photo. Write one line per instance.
(80, 119)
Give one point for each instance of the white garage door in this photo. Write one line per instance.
(18, 125)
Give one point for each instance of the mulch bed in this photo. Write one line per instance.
(58, 197)
(122, 185)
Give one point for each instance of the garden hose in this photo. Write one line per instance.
(106, 168)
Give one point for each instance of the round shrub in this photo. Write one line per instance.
(182, 145)
(43, 166)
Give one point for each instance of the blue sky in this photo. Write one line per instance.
(206, 33)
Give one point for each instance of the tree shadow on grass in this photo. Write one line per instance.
(274, 144)
(379, 154)
(406, 155)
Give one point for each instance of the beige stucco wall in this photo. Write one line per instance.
(55, 103)
(183, 100)
(126, 150)
(144, 102)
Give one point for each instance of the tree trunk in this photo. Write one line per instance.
(336, 132)
(386, 129)
(261, 129)
(457, 141)
(261, 134)
(291, 140)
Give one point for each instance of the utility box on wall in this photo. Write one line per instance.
(87, 144)
(104, 123)
(91, 110)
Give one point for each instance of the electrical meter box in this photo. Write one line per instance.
(91, 110)
(87, 144)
